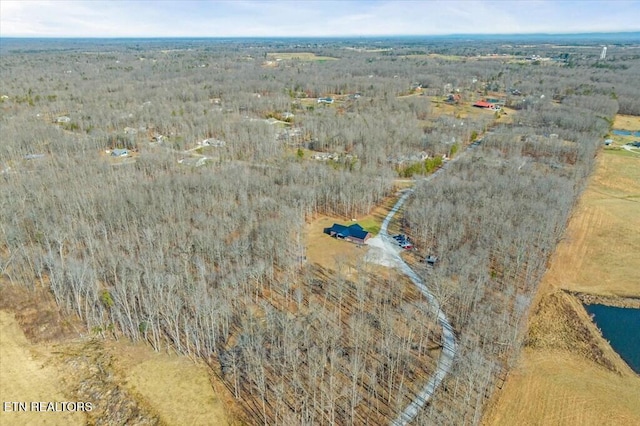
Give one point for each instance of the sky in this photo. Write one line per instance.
(307, 18)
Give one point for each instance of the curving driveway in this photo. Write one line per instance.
(448, 353)
(449, 340)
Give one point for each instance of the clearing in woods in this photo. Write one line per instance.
(567, 373)
(329, 252)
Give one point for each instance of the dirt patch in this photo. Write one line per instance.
(620, 302)
(37, 313)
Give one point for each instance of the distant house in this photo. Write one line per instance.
(486, 105)
(120, 153)
(453, 98)
(33, 156)
(216, 143)
(325, 100)
(353, 233)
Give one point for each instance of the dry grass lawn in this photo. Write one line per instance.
(27, 374)
(463, 110)
(330, 252)
(563, 380)
(173, 387)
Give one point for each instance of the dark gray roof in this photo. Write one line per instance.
(354, 230)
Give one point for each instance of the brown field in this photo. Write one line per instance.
(176, 389)
(27, 374)
(299, 56)
(560, 388)
(627, 122)
(568, 374)
(599, 253)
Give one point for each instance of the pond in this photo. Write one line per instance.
(625, 132)
(621, 327)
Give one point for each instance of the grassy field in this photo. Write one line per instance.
(627, 122)
(599, 253)
(299, 56)
(570, 375)
(176, 389)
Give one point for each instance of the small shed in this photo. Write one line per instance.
(431, 260)
(119, 153)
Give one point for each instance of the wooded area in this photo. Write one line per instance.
(199, 245)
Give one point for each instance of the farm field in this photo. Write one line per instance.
(562, 376)
(627, 122)
(299, 56)
(599, 252)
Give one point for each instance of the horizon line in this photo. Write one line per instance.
(328, 36)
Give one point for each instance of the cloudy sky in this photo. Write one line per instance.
(216, 18)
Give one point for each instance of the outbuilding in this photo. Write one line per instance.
(119, 153)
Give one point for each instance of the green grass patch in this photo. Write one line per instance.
(371, 225)
(621, 152)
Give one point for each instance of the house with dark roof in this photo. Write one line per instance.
(353, 233)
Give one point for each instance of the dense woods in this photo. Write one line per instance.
(199, 246)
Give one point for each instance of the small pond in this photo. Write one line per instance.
(625, 132)
(621, 327)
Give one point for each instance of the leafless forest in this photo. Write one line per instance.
(193, 239)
